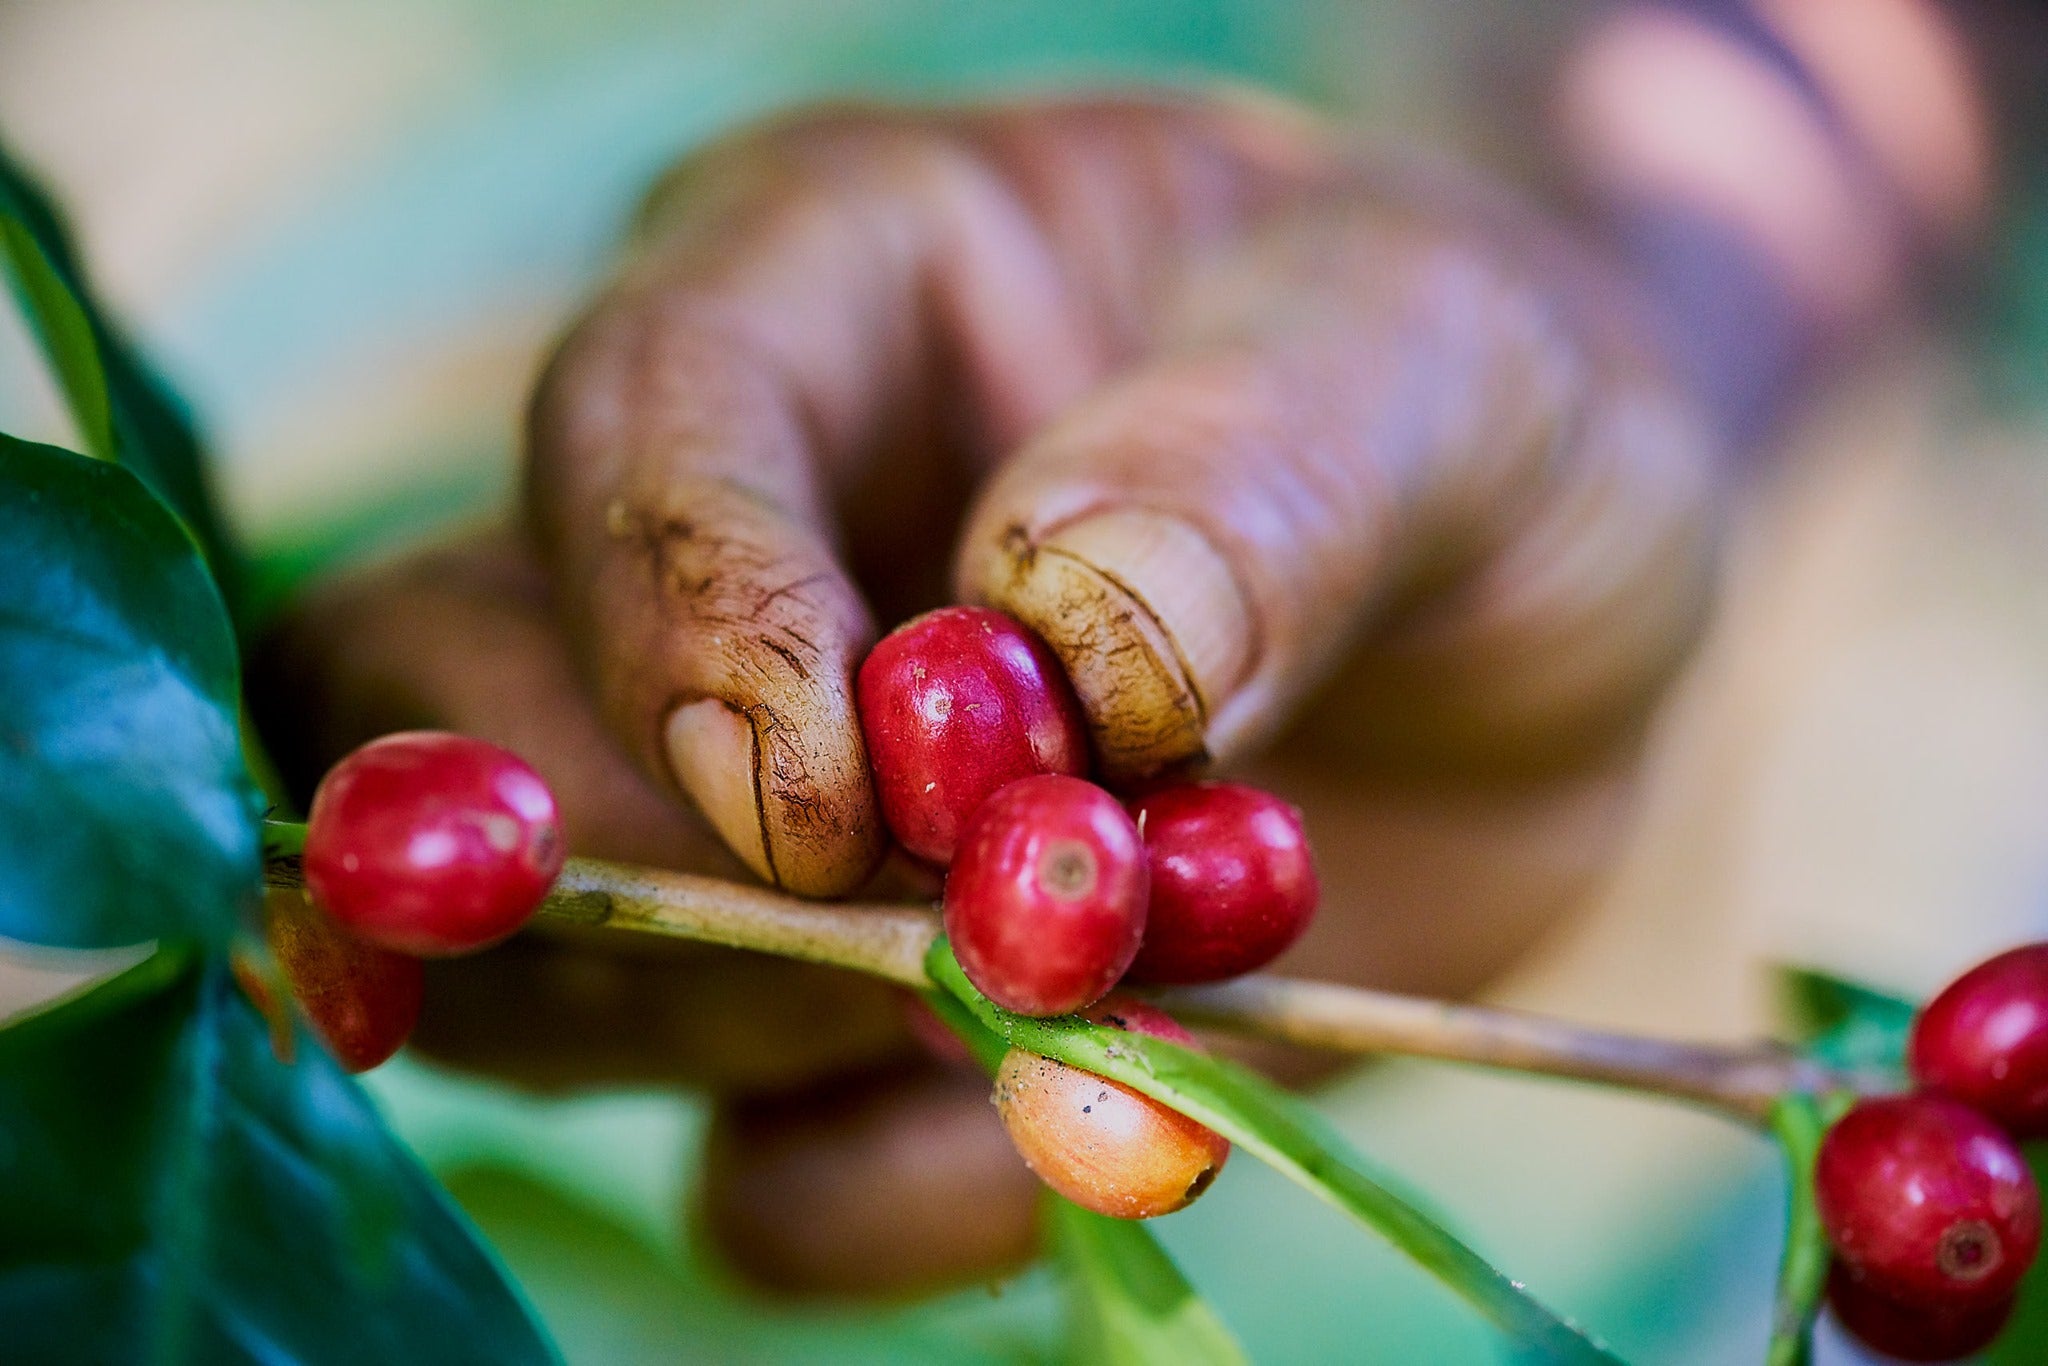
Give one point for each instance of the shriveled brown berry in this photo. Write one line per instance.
(1102, 1145)
(362, 1000)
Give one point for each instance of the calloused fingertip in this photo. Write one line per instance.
(1148, 618)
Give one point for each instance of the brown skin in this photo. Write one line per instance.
(907, 1165)
(1401, 521)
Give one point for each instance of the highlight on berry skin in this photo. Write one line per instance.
(1927, 1202)
(1045, 902)
(954, 705)
(1983, 1039)
(1233, 883)
(432, 844)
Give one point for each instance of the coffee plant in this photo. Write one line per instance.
(188, 1173)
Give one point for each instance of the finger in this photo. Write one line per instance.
(1361, 420)
(798, 292)
(459, 636)
(562, 1013)
(858, 1187)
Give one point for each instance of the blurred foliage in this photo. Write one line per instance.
(199, 1200)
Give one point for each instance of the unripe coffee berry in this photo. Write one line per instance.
(1907, 1332)
(431, 844)
(1100, 1144)
(361, 1000)
(1984, 1040)
(955, 704)
(1045, 902)
(1927, 1202)
(1232, 881)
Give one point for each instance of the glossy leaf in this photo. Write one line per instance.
(1292, 1138)
(1845, 1023)
(123, 410)
(171, 1192)
(126, 812)
(1136, 1309)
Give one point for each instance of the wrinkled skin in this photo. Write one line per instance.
(1349, 478)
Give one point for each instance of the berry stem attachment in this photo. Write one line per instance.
(890, 940)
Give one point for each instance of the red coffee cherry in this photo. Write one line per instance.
(363, 1001)
(1906, 1332)
(1232, 881)
(432, 844)
(1984, 1040)
(1097, 1142)
(955, 704)
(1045, 902)
(1928, 1202)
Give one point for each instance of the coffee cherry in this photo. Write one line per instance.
(1984, 1040)
(955, 704)
(432, 844)
(361, 1000)
(1232, 882)
(1045, 902)
(1928, 1202)
(1905, 1332)
(1097, 1142)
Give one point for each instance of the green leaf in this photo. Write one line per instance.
(126, 812)
(123, 410)
(65, 332)
(1289, 1136)
(1136, 1309)
(1845, 1023)
(170, 1192)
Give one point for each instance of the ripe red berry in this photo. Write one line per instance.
(1928, 1202)
(955, 704)
(1232, 881)
(432, 844)
(1984, 1040)
(363, 1001)
(1045, 903)
(1097, 1142)
(1906, 1332)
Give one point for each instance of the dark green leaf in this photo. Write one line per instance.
(126, 410)
(1289, 1136)
(170, 1192)
(126, 813)
(1136, 1309)
(1845, 1023)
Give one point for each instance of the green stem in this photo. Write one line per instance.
(1799, 1121)
(283, 840)
(891, 941)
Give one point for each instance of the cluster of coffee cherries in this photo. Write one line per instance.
(1932, 1212)
(419, 845)
(1057, 891)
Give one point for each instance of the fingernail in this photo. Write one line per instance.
(1150, 622)
(713, 753)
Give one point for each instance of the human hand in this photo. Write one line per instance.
(1354, 471)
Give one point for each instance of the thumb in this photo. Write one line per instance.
(1205, 539)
